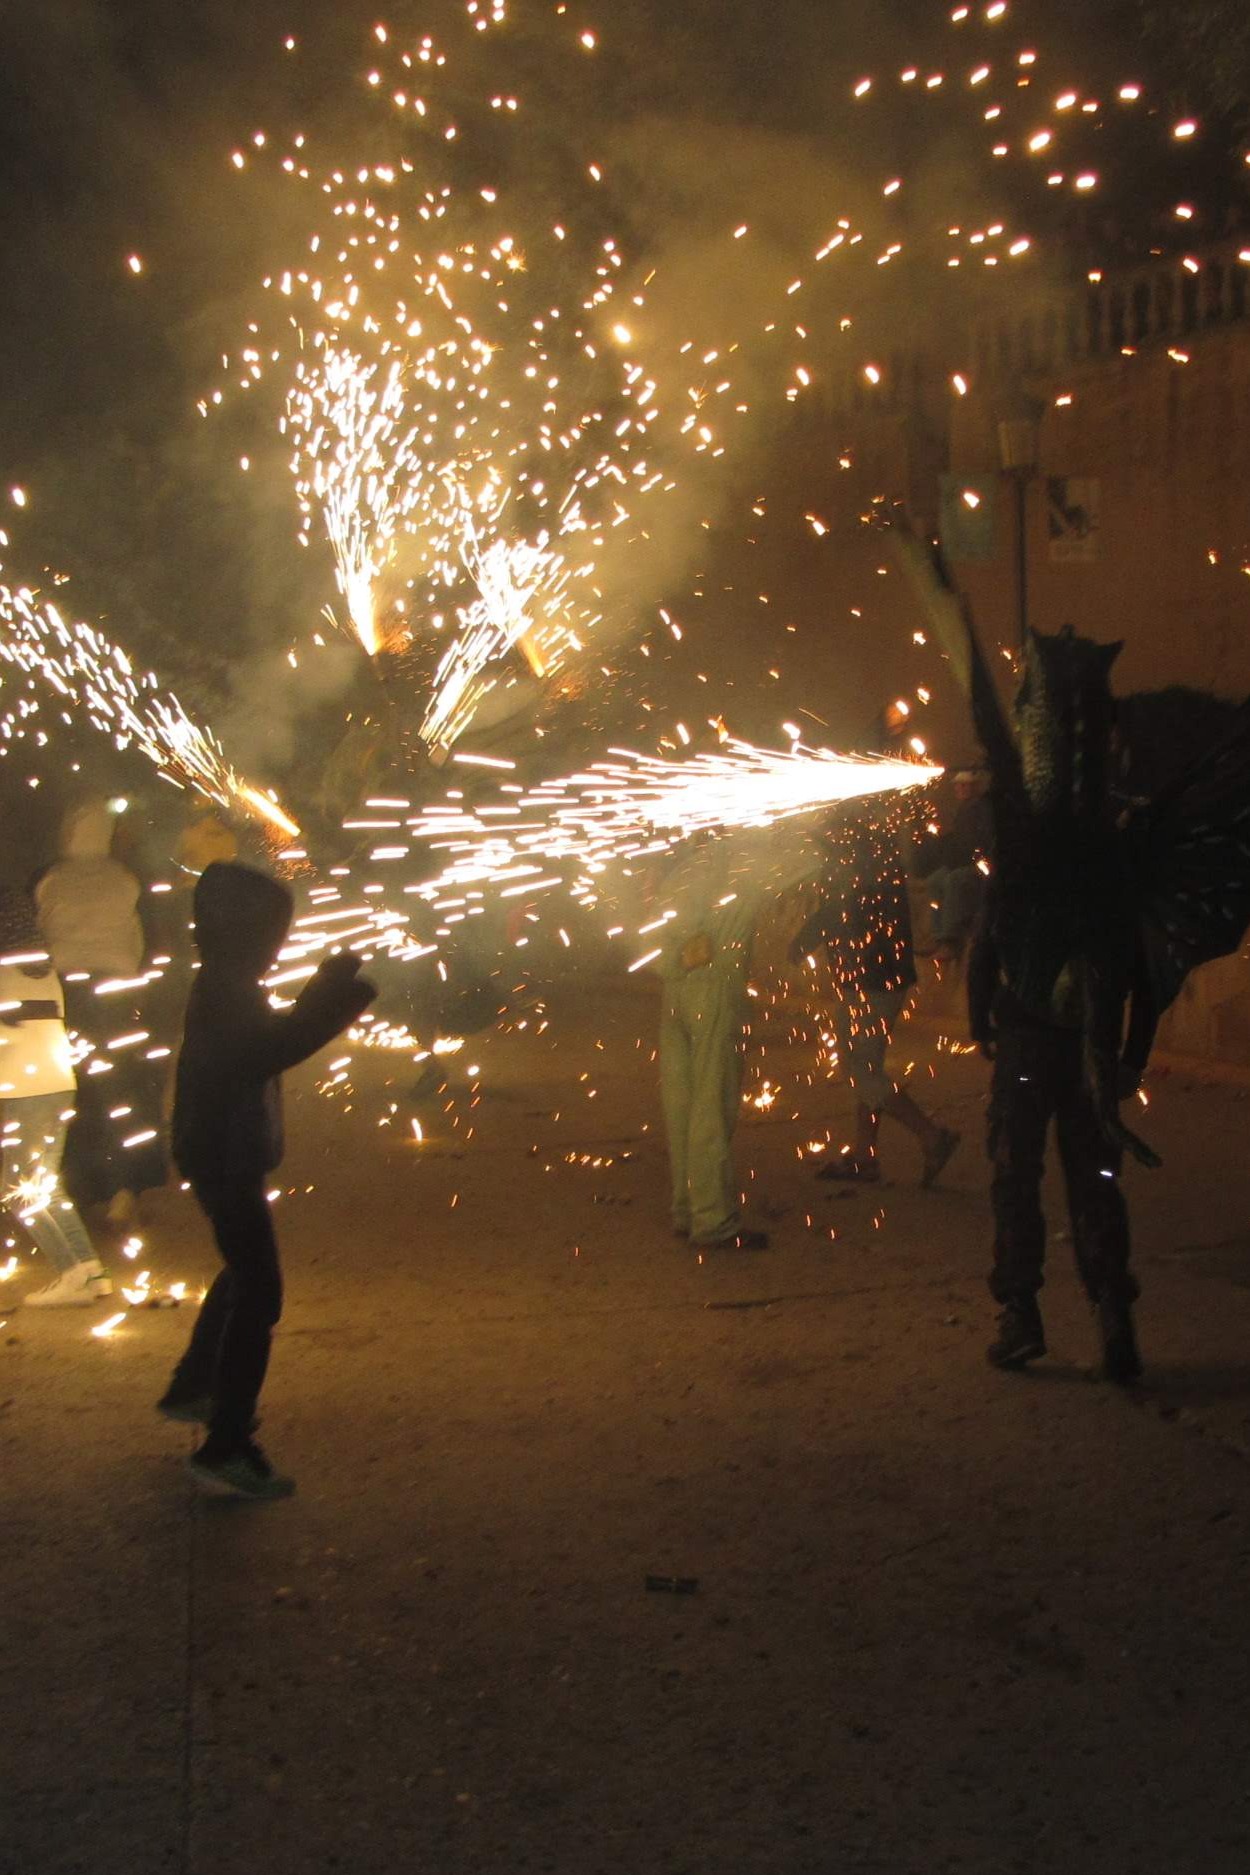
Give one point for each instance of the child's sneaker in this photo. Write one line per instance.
(77, 1288)
(243, 1471)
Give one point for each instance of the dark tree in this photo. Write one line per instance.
(1205, 44)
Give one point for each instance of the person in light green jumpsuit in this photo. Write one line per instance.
(713, 896)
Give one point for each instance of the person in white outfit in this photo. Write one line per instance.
(88, 907)
(711, 900)
(36, 1106)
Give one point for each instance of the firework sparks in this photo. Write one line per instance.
(566, 832)
(79, 664)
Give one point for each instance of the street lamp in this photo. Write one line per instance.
(1019, 447)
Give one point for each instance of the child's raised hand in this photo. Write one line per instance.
(341, 976)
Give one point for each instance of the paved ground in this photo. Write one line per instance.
(945, 1620)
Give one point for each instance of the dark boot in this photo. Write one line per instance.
(1021, 1336)
(1121, 1363)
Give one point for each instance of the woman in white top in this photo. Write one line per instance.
(36, 1106)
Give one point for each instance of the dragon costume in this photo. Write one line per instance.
(1094, 918)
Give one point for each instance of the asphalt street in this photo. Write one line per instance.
(937, 1618)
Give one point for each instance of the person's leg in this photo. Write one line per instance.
(1021, 1102)
(717, 1050)
(34, 1142)
(936, 1142)
(243, 1227)
(861, 1057)
(194, 1379)
(675, 1100)
(88, 1173)
(1100, 1232)
(1091, 1172)
(870, 1020)
(61, 1236)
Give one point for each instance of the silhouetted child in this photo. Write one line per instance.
(227, 1139)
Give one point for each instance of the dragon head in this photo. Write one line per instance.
(1064, 713)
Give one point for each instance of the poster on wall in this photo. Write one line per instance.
(1073, 510)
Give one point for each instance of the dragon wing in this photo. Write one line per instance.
(1189, 853)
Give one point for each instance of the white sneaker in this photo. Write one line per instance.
(78, 1288)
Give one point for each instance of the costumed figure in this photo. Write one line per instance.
(1092, 922)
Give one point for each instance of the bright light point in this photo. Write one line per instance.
(1186, 128)
(622, 335)
(134, 263)
(588, 40)
(1087, 181)
(1129, 94)
(1039, 140)
(960, 383)
(1066, 101)
(872, 374)
(971, 498)
(18, 497)
(1021, 246)
(863, 87)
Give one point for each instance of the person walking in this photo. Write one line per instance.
(227, 1139)
(37, 1088)
(863, 922)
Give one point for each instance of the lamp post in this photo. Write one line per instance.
(1019, 446)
